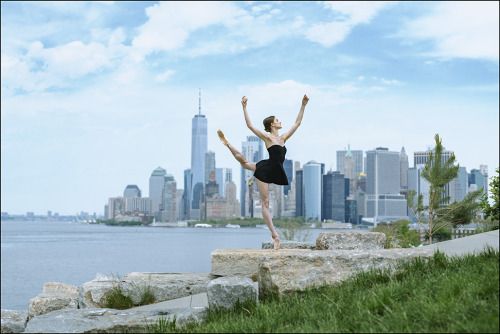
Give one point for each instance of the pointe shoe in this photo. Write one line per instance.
(276, 243)
(222, 138)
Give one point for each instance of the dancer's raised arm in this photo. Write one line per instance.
(257, 132)
(294, 128)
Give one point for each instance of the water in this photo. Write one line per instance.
(35, 252)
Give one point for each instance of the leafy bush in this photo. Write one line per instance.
(398, 234)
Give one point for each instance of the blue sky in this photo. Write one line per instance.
(95, 95)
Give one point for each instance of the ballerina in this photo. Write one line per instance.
(270, 170)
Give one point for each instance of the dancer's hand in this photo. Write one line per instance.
(244, 101)
(305, 99)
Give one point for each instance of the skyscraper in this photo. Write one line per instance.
(137, 205)
(420, 159)
(459, 186)
(357, 157)
(334, 196)
(186, 195)
(479, 177)
(312, 190)
(383, 185)
(252, 151)
(403, 158)
(132, 190)
(222, 176)
(156, 183)
(199, 148)
(288, 166)
(299, 193)
(209, 165)
(169, 199)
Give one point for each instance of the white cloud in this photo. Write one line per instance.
(329, 34)
(41, 68)
(165, 76)
(357, 11)
(459, 30)
(72, 60)
(351, 14)
(170, 23)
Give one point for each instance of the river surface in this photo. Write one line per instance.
(35, 252)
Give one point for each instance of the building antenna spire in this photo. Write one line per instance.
(199, 101)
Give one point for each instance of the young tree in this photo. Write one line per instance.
(463, 212)
(492, 211)
(438, 172)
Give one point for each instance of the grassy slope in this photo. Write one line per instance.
(440, 295)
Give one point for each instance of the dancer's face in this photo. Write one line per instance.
(276, 123)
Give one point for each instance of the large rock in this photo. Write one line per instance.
(352, 240)
(225, 292)
(133, 320)
(164, 286)
(95, 291)
(54, 296)
(13, 321)
(289, 244)
(239, 262)
(295, 270)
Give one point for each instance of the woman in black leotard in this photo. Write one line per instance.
(270, 170)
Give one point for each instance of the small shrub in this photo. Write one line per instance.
(441, 235)
(116, 299)
(147, 296)
(398, 234)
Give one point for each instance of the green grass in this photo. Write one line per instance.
(440, 294)
(117, 299)
(147, 296)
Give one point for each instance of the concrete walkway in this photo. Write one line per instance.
(467, 245)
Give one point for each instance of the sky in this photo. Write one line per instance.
(96, 95)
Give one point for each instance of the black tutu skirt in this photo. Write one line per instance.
(271, 170)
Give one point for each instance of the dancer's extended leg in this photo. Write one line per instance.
(266, 214)
(237, 154)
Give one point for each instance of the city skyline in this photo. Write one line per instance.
(95, 96)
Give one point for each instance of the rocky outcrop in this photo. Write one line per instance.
(13, 321)
(164, 286)
(133, 320)
(352, 240)
(288, 244)
(335, 257)
(286, 270)
(239, 262)
(226, 292)
(296, 270)
(95, 291)
(54, 296)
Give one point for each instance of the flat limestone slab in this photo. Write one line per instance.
(240, 262)
(245, 262)
(288, 244)
(13, 321)
(164, 286)
(133, 320)
(351, 240)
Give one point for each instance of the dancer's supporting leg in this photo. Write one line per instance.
(266, 214)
